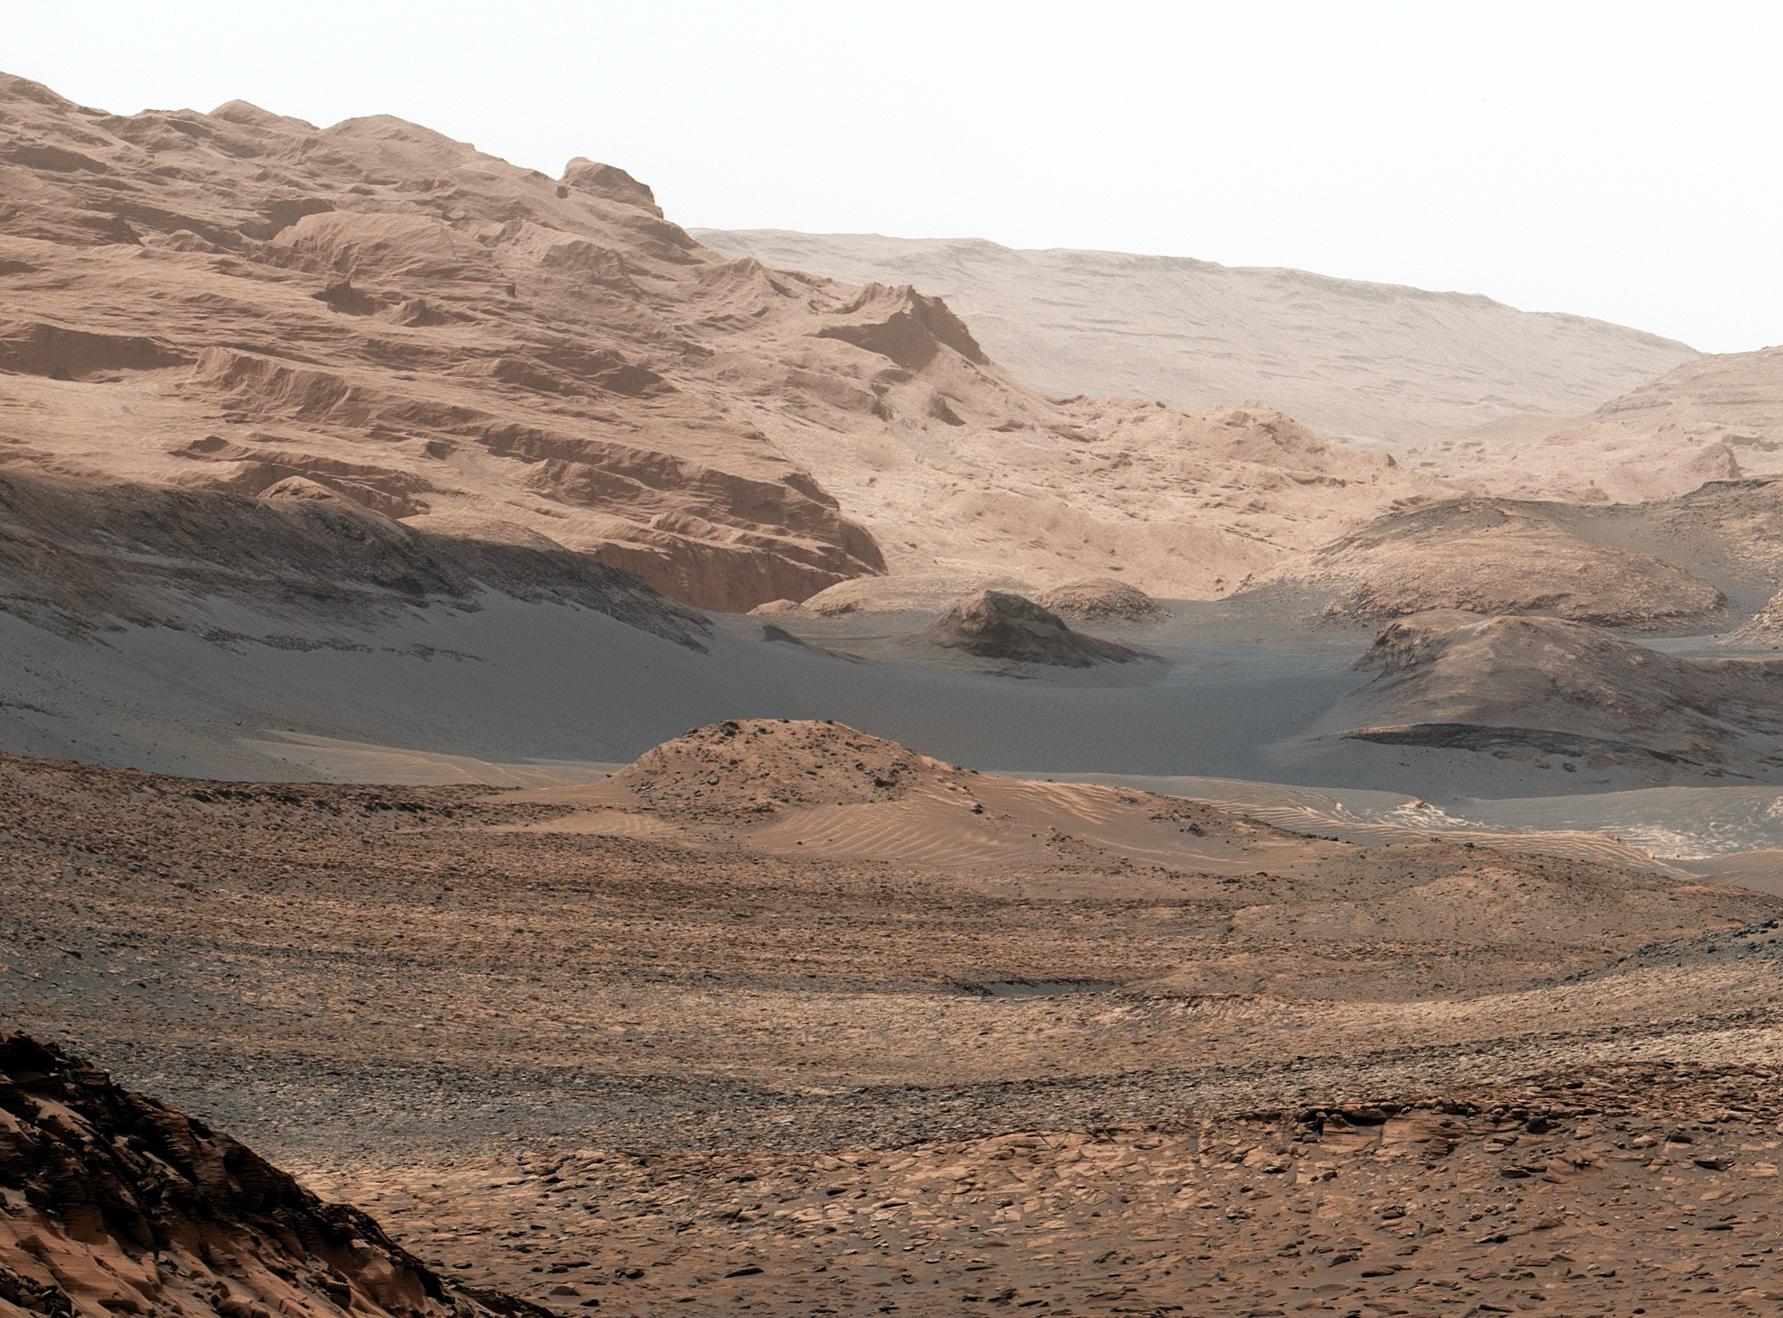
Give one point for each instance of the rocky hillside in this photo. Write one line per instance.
(1516, 687)
(78, 556)
(1493, 557)
(1716, 418)
(243, 302)
(116, 1203)
(993, 624)
(1346, 357)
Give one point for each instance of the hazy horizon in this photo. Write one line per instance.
(1604, 162)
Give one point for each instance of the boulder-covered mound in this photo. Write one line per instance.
(1494, 557)
(755, 766)
(996, 625)
(116, 1203)
(1513, 685)
(1101, 599)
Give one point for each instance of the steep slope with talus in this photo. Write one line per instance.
(78, 557)
(232, 300)
(116, 1203)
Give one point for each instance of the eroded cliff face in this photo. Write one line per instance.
(231, 300)
(116, 1203)
(237, 300)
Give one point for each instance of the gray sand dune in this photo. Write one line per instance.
(517, 681)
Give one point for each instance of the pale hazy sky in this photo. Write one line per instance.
(1619, 160)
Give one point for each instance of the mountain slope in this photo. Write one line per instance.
(1347, 358)
(1714, 418)
(237, 300)
(77, 558)
(1494, 556)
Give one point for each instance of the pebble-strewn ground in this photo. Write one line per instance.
(732, 1062)
(1613, 1190)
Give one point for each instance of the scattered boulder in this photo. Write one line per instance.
(996, 625)
(1101, 599)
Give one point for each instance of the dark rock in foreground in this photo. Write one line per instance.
(116, 1203)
